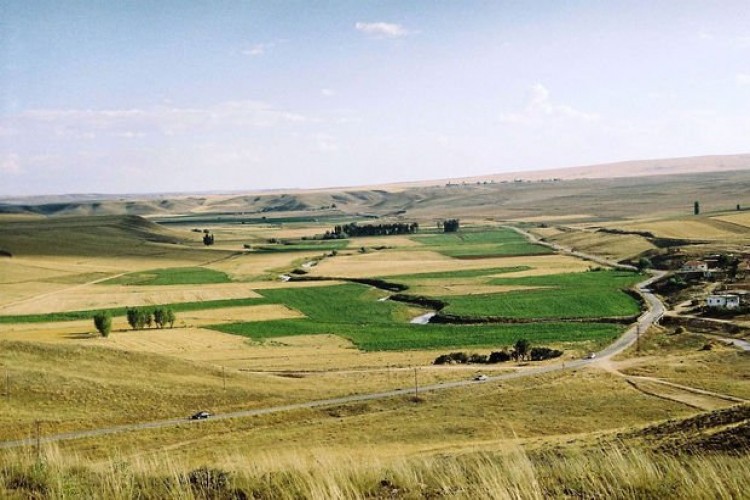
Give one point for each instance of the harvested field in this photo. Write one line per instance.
(611, 246)
(696, 228)
(391, 263)
(87, 297)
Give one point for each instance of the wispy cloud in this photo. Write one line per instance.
(541, 107)
(743, 79)
(258, 49)
(328, 92)
(383, 30)
(10, 164)
(164, 120)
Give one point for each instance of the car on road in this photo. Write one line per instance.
(480, 378)
(590, 355)
(201, 415)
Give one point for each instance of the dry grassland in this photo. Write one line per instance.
(697, 228)
(483, 417)
(611, 246)
(391, 263)
(465, 286)
(740, 218)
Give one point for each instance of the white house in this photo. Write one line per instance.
(694, 266)
(725, 301)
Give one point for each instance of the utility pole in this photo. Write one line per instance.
(638, 338)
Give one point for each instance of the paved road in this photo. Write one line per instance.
(656, 310)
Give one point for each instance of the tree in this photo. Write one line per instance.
(644, 263)
(148, 318)
(451, 226)
(159, 317)
(208, 239)
(132, 315)
(521, 349)
(169, 317)
(696, 208)
(103, 323)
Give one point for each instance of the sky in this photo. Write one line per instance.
(174, 96)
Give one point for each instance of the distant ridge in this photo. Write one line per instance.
(274, 199)
(631, 168)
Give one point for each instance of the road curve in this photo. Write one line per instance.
(654, 313)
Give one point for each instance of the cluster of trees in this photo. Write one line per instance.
(139, 318)
(520, 351)
(354, 229)
(450, 225)
(208, 238)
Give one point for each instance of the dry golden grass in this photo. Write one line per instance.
(696, 228)
(251, 266)
(483, 416)
(611, 246)
(741, 218)
(95, 296)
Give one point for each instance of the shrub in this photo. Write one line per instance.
(542, 353)
(499, 357)
(478, 358)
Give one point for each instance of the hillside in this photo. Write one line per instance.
(110, 235)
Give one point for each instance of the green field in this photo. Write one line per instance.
(465, 273)
(353, 311)
(171, 276)
(302, 246)
(571, 295)
(481, 243)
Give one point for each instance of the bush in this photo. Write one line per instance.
(478, 358)
(542, 353)
(499, 357)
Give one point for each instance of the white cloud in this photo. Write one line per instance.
(743, 79)
(383, 30)
(10, 164)
(328, 92)
(540, 107)
(258, 49)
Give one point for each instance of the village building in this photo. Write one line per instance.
(694, 266)
(723, 301)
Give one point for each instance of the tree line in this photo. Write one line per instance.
(354, 229)
(138, 319)
(522, 350)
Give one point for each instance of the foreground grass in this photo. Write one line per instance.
(612, 472)
(172, 276)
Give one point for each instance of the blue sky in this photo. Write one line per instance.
(135, 96)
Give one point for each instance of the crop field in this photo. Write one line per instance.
(612, 246)
(353, 312)
(171, 276)
(302, 246)
(573, 295)
(481, 243)
(693, 228)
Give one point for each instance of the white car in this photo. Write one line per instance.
(590, 355)
(480, 378)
